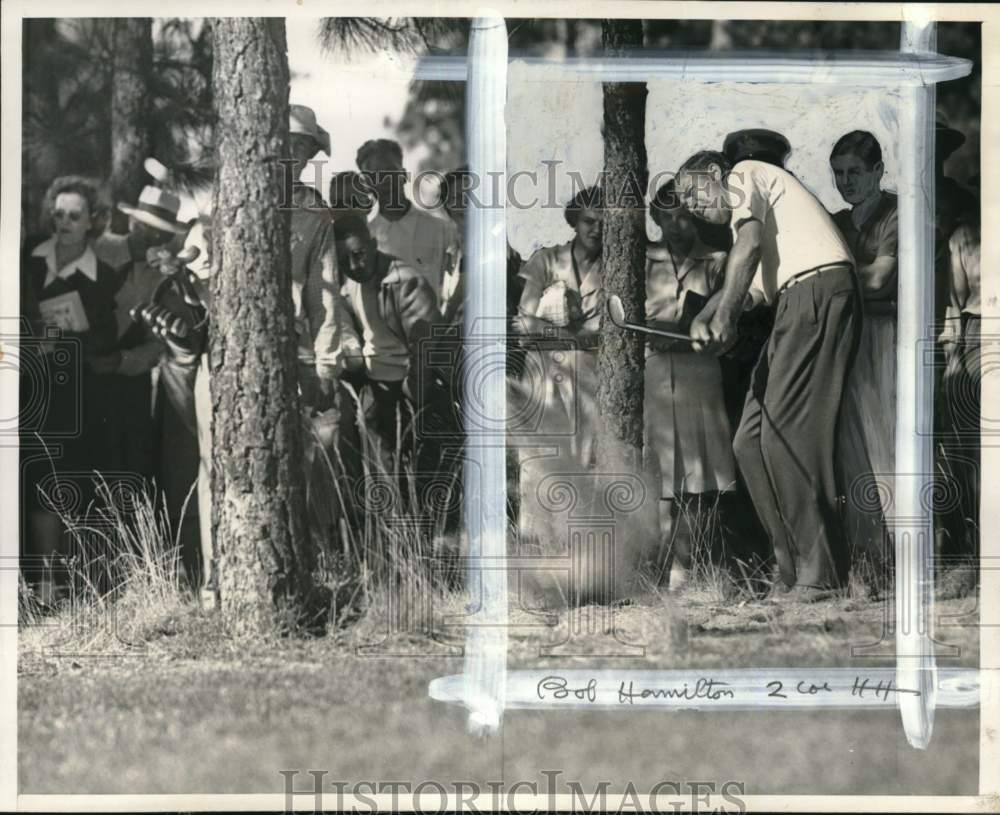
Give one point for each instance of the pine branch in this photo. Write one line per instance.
(409, 35)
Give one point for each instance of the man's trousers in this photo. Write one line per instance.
(785, 442)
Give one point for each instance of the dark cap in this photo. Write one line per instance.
(757, 144)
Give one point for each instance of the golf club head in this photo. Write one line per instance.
(616, 311)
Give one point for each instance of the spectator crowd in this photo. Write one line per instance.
(778, 412)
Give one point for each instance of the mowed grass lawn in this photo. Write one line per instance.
(195, 713)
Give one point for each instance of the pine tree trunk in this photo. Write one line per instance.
(133, 63)
(264, 552)
(621, 356)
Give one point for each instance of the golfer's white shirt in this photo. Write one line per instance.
(798, 233)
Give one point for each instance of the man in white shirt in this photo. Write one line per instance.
(424, 241)
(787, 244)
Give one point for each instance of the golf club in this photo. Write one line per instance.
(616, 311)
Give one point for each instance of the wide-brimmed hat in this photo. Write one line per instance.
(157, 208)
(302, 119)
(757, 144)
(947, 139)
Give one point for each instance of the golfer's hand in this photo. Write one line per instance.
(700, 333)
(724, 332)
(720, 331)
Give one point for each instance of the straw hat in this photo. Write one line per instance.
(302, 119)
(157, 208)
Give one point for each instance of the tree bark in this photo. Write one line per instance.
(622, 353)
(133, 63)
(265, 558)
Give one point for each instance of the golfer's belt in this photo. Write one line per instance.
(801, 277)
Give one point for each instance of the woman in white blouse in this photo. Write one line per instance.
(562, 299)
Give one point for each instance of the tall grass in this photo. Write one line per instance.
(120, 577)
(396, 545)
(393, 546)
(392, 552)
(714, 568)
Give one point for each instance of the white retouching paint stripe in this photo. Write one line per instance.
(913, 527)
(485, 395)
(877, 69)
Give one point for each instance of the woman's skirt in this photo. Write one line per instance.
(687, 426)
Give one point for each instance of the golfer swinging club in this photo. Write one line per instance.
(785, 442)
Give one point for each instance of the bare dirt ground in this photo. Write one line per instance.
(192, 712)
